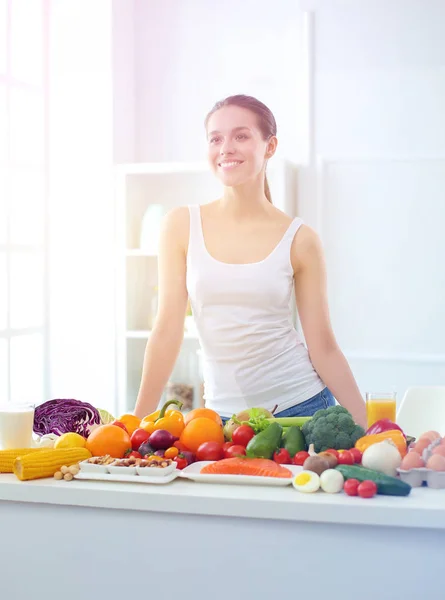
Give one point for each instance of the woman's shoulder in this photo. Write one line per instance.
(305, 247)
(175, 225)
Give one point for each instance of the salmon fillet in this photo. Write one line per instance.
(259, 467)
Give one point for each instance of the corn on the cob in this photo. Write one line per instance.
(47, 462)
(7, 457)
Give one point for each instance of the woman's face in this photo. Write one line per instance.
(236, 149)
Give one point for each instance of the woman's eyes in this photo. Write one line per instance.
(242, 136)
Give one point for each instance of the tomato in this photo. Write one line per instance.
(282, 457)
(367, 489)
(227, 445)
(133, 454)
(333, 451)
(210, 451)
(120, 424)
(242, 435)
(139, 437)
(171, 452)
(345, 458)
(181, 462)
(350, 487)
(300, 457)
(235, 451)
(356, 455)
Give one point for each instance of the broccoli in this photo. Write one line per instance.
(332, 427)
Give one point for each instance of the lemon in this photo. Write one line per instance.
(70, 440)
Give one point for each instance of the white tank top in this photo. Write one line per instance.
(252, 354)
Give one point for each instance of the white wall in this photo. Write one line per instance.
(379, 140)
(357, 89)
(191, 53)
(81, 204)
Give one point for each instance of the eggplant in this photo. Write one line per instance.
(162, 439)
(160, 453)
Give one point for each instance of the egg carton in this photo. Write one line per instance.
(423, 476)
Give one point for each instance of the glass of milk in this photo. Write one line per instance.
(16, 425)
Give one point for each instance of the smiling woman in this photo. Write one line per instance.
(238, 259)
(263, 128)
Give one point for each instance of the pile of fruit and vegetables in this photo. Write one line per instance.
(334, 453)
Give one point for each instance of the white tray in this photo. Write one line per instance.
(193, 472)
(127, 478)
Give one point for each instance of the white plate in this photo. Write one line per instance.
(126, 478)
(193, 472)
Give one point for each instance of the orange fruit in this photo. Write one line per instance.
(108, 439)
(201, 430)
(131, 422)
(206, 413)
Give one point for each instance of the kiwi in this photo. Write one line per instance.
(316, 464)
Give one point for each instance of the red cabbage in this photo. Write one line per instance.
(64, 416)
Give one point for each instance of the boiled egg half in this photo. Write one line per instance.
(306, 481)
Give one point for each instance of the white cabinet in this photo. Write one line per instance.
(144, 193)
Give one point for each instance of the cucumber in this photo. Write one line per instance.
(387, 486)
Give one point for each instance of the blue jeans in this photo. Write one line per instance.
(323, 399)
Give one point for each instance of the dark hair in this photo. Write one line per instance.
(266, 120)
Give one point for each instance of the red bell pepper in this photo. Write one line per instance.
(383, 425)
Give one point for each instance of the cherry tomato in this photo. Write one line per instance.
(333, 451)
(120, 424)
(171, 452)
(133, 454)
(138, 437)
(227, 445)
(300, 457)
(242, 435)
(356, 455)
(235, 451)
(210, 451)
(282, 457)
(350, 487)
(345, 458)
(367, 489)
(181, 462)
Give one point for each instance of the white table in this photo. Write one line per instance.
(194, 541)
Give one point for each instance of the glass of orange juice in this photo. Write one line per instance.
(380, 406)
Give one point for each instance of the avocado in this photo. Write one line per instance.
(264, 444)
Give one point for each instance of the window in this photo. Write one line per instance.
(24, 167)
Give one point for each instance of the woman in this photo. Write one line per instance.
(238, 259)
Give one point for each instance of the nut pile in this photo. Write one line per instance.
(67, 473)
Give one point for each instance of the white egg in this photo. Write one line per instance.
(331, 481)
(306, 481)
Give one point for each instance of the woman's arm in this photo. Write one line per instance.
(311, 298)
(166, 338)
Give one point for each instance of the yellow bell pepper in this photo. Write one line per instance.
(394, 435)
(170, 420)
(163, 412)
